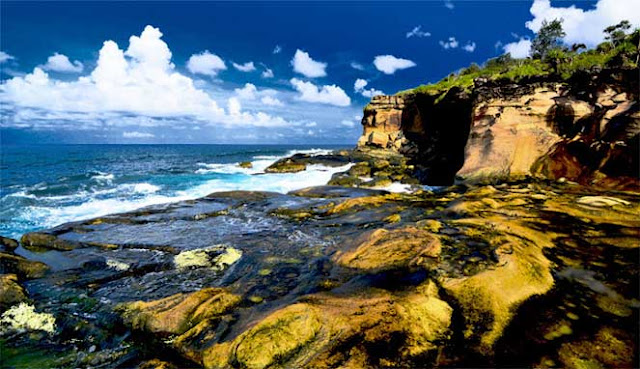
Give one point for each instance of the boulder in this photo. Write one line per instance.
(8, 244)
(11, 292)
(24, 268)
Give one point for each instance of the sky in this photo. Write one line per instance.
(248, 72)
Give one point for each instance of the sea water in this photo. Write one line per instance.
(42, 186)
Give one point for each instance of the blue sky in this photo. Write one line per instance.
(259, 72)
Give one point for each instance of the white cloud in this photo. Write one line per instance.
(61, 63)
(5, 57)
(585, 26)
(246, 67)
(267, 73)
(136, 86)
(356, 65)
(234, 107)
(417, 32)
(136, 134)
(277, 49)
(451, 43)
(448, 4)
(389, 64)
(518, 49)
(348, 123)
(205, 63)
(303, 63)
(311, 124)
(328, 94)
(359, 87)
(271, 101)
(469, 47)
(248, 92)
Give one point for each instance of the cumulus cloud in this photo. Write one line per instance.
(451, 43)
(303, 63)
(518, 49)
(205, 63)
(267, 73)
(389, 64)
(585, 26)
(271, 101)
(418, 32)
(356, 65)
(4, 57)
(248, 92)
(348, 123)
(277, 49)
(469, 47)
(140, 82)
(328, 94)
(448, 4)
(136, 134)
(359, 87)
(61, 63)
(246, 67)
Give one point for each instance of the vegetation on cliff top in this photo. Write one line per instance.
(548, 58)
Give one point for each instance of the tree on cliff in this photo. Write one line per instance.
(616, 33)
(549, 37)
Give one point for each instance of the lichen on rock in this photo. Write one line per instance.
(24, 318)
(217, 257)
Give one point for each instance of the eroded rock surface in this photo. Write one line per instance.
(586, 130)
(521, 274)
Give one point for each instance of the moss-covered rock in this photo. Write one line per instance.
(178, 313)
(286, 166)
(24, 268)
(8, 244)
(11, 292)
(382, 250)
(328, 330)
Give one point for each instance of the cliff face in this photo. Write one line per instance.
(586, 129)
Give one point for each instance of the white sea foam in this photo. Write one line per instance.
(103, 178)
(51, 212)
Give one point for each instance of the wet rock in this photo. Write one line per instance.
(156, 364)
(245, 164)
(286, 166)
(178, 313)
(364, 329)
(11, 292)
(24, 268)
(382, 250)
(39, 240)
(8, 244)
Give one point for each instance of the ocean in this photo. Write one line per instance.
(42, 186)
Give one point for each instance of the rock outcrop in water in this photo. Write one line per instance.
(586, 129)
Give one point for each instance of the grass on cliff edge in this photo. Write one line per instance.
(563, 65)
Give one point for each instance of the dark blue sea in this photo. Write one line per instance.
(45, 185)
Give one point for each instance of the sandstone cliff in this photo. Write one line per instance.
(585, 129)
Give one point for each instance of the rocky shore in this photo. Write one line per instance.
(514, 243)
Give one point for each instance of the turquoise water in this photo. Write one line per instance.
(42, 186)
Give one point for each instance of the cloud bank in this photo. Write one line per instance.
(138, 81)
